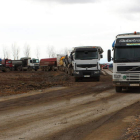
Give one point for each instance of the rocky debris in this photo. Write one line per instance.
(133, 131)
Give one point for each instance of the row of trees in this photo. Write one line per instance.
(16, 50)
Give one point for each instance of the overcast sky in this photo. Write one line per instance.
(65, 23)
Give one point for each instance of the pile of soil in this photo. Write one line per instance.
(21, 82)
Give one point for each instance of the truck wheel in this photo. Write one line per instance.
(7, 69)
(46, 68)
(76, 79)
(19, 68)
(29, 69)
(53, 68)
(118, 89)
(66, 71)
(69, 72)
(98, 78)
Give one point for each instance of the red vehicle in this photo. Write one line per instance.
(6, 65)
(47, 64)
(106, 66)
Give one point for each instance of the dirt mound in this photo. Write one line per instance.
(21, 82)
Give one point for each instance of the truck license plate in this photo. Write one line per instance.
(86, 75)
(134, 84)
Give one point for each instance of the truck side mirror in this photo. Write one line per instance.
(101, 56)
(30, 61)
(109, 55)
(71, 56)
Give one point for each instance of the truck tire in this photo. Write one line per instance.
(69, 71)
(76, 79)
(19, 68)
(7, 69)
(53, 69)
(98, 78)
(118, 89)
(47, 68)
(66, 71)
(29, 69)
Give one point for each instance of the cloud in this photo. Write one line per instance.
(134, 9)
(71, 1)
(126, 9)
(131, 7)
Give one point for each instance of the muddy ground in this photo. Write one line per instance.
(52, 106)
(22, 82)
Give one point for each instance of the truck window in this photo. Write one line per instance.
(9, 62)
(36, 61)
(86, 55)
(125, 54)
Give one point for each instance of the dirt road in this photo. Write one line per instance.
(83, 111)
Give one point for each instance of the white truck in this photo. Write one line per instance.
(126, 61)
(29, 63)
(86, 61)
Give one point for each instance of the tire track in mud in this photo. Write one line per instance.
(67, 93)
(60, 107)
(55, 108)
(78, 111)
(21, 122)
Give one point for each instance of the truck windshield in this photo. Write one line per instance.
(84, 55)
(36, 61)
(127, 54)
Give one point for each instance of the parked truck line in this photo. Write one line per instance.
(25, 63)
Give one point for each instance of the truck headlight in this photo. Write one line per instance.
(117, 76)
(77, 72)
(96, 72)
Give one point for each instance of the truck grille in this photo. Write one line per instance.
(133, 77)
(87, 73)
(128, 68)
(86, 65)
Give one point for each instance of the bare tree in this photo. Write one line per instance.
(51, 51)
(15, 51)
(37, 52)
(26, 50)
(5, 52)
(65, 50)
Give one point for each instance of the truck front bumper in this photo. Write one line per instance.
(126, 84)
(87, 73)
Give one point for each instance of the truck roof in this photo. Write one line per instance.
(135, 34)
(97, 47)
(48, 59)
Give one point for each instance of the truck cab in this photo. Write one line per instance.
(86, 61)
(34, 63)
(126, 61)
(6, 65)
(29, 63)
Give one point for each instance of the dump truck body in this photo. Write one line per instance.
(47, 64)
